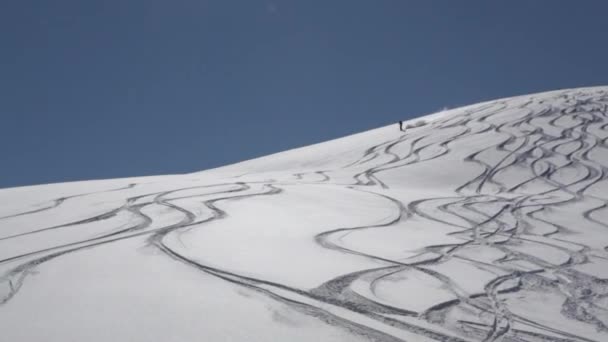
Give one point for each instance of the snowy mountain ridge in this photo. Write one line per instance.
(482, 223)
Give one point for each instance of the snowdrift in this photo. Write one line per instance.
(482, 223)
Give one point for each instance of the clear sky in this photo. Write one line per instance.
(103, 89)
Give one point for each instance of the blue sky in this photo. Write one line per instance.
(104, 89)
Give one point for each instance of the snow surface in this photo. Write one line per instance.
(482, 223)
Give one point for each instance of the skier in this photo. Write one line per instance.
(401, 125)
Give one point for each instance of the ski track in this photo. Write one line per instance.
(494, 212)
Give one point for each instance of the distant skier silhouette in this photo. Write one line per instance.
(401, 125)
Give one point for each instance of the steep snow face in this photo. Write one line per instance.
(483, 223)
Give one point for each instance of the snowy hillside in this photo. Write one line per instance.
(483, 223)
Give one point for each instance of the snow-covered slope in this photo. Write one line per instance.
(483, 223)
